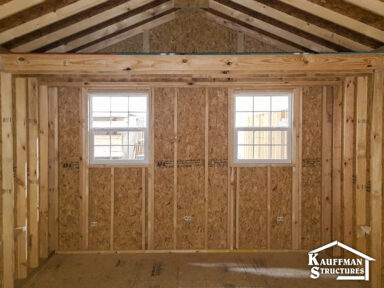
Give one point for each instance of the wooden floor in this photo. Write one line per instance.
(180, 270)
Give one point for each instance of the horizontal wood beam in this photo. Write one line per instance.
(16, 6)
(303, 25)
(128, 34)
(48, 19)
(80, 26)
(337, 18)
(284, 34)
(178, 64)
(251, 33)
(374, 6)
(78, 42)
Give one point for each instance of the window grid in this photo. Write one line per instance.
(271, 157)
(110, 131)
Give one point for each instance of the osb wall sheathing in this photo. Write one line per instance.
(130, 45)
(128, 209)
(253, 190)
(190, 170)
(164, 117)
(217, 169)
(191, 32)
(254, 45)
(311, 167)
(69, 171)
(281, 206)
(99, 219)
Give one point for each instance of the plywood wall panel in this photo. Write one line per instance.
(128, 209)
(281, 206)
(217, 169)
(311, 167)
(69, 157)
(253, 189)
(164, 99)
(190, 171)
(99, 225)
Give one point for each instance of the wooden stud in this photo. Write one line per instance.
(143, 191)
(237, 209)
(361, 162)
(175, 173)
(231, 173)
(21, 176)
(336, 167)
(269, 222)
(151, 174)
(8, 191)
(326, 181)
(206, 192)
(43, 172)
(33, 172)
(53, 173)
(376, 175)
(296, 157)
(240, 41)
(146, 41)
(84, 189)
(112, 209)
(348, 149)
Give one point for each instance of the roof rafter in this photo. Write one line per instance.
(127, 34)
(251, 33)
(374, 6)
(303, 25)
(79, 26)
(16, 6)
(269, 27)
(81, 41)
(337, 18)
(48, 19)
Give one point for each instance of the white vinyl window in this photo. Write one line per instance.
(262, 128)
(118, 127)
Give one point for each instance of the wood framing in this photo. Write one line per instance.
(8, 190)
(374, 6)
(21, 176)
(127, 34)
(179, 64)
(268, 28)
(33, 168)
(43, 172)
(53, 173)
(337, 18)
(303, 25)
(78, 42)
(251, 33)
(47, 19)
(326, 183)
(79, 26)
(376, 175)
(16, 6)
(361, 162)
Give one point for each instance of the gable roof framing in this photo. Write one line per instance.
(303, 25)
(48, 19)
(311, 45)
(79, 26)
(113, 28)
(337, 18)
(16, 6)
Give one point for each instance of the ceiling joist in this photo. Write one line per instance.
(48, 19)
(337, 18)
(128, 34)
(251, 33)
(79, 42)
(16, 6)
(311, 45)
(79, 26)
(303, 25)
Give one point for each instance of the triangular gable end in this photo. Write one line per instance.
(334, 243)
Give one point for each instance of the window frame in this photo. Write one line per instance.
(92, 130)
(289, 128)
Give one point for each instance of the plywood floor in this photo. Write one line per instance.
(232, 270)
